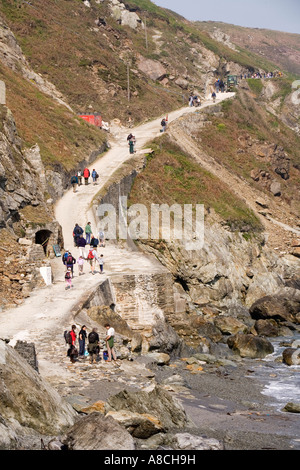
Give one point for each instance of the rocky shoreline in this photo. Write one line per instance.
(148, 402)
(222, 399)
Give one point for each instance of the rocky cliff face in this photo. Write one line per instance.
(27, 219)
(29, 407)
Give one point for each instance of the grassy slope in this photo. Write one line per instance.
(244, 116)
(86, 62)
(61, 41)
(64, 139)
(172, 177)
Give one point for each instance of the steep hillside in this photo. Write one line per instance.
(242, 164)
(128, 61)
(283, 49)
(118, 58)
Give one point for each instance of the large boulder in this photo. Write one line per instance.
(97, 432)
(250, 346)
(152, 68)
(27, 402)
(230, 325)
(158, 403)
(141, 426)
(267, 327)
(281, 308)
(186, 441)
(291, 356)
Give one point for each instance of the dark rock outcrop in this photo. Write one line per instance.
(250, 346)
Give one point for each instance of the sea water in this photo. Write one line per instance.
(282, 382)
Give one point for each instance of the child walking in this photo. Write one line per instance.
(68, 278)
(101, 263)
(80, 263)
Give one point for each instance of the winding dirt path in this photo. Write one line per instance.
(47, 312)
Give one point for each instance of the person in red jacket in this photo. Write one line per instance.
(73, 334)
(72, 351)
(86, 175)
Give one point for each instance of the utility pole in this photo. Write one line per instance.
(146, 35)
(128, 82)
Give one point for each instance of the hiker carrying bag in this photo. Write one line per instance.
(68, 337)
(93, 338)
(69, 259)
(90, 255)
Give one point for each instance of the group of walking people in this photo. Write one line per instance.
(89, 345)
(83, 238)
(83, 175)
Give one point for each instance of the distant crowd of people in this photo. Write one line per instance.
(261, 75)
(83, 176)
(83, 238)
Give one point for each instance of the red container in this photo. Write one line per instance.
(94, 119)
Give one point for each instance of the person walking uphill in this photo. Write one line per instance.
(77, 231)
(91, 258)
(86, 175)
(69, 263)
(68, 279)
(88, 233)
(131, 142)
(74, 182)
(81, 243)
(79, 176)
(95, 176)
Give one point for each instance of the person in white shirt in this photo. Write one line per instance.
(110, 342)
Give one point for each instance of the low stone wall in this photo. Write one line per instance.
(27, 351)
(101, 295)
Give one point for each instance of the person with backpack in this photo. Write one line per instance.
(70, 261)
(131, 143)
(94, 242)
(94, 176)
(64, 257)
(164, 124)
(94, 345)
(91, 258)
(68, 279)
(86, 175)
(74, 183)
